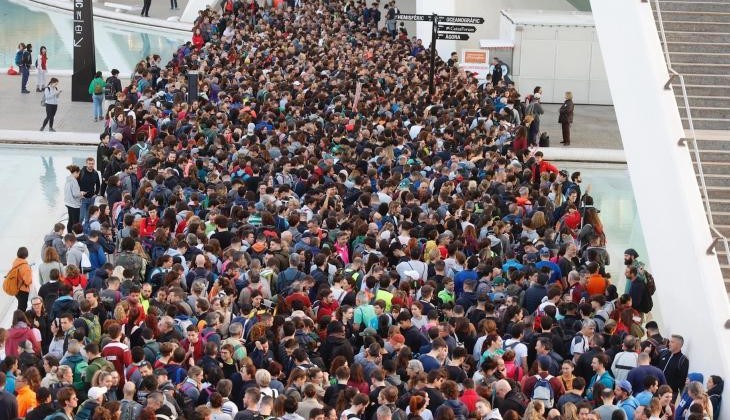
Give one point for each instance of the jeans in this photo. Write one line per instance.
(73, 216)
(85, 204)
(50, 114)
(24, 73)
(173, 4)
(98, 102)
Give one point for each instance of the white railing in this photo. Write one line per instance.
(673, 74)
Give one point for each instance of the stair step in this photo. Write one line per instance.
(703, 79)
(702, 90)
(716, 168)
(693, 16)
(702, 101)
(701, 68)
(716, 180)
(725, 231)
(720, 206)
(704, 47)
(699, 57)
(707, 112)
(713, 156)
(707, 123)
(687, 35)
(712, 144)
(689, 26)
(718, 192)
(693, 6)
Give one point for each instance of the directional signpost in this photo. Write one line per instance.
(443, 27)
(456, 28)
(453, 37)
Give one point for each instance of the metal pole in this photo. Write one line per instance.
(434, 35)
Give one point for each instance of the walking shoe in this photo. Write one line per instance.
(25, 91)
(37, 89)
(96, 119)
(51, 129)
(43, 128)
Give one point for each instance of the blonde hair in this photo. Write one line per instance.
(569, 95)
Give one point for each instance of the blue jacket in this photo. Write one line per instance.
(629, 406)
(686, 400)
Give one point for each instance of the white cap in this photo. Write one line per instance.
(96, 392)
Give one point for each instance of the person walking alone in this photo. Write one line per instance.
(72, 195)
(41, 65)
(565, 117)
(26, 60)
(51, 93)
(96, 90)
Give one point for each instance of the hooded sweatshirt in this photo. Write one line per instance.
(686, 400)
(16, 335)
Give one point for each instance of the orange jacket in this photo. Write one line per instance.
(26, 400)
(596, 284)
(25, 274)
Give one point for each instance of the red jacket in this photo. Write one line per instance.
(326, 309)
(17, 335)
(470, 398)
(545, 166)
(148, 226)
(519, 143)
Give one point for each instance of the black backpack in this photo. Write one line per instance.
(110, 91)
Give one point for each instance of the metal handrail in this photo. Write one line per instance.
(693, 137)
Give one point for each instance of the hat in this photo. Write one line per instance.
(194, 151)
(632, 252)
(563, 173)
(250, 129)
(498, 281)
(297, 83)
(160, 372)
(95, 392)
(369, 332)
(26, 345)
(398, 338)
(544, 251)
(626, 386)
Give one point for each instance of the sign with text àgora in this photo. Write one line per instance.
(453, 37)
(83, 50)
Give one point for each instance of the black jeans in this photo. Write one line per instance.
(146, 7)
(50, 115)
(74, 216)
(173, 4)
(22, 300)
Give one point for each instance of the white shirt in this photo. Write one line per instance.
(520, 350)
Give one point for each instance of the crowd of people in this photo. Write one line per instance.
(316, 236)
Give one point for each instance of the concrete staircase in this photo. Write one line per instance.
(698, 41)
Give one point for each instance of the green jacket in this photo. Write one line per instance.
(97, 81)
(96, 365)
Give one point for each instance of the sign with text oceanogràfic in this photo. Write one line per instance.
(83, 50)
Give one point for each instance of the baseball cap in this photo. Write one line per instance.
(626, 386)
(368, 332)
(96, 391)
(498, 281)
(544, 251)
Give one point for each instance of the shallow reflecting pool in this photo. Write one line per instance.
(117, 46)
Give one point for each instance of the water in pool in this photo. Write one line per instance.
(117, 46)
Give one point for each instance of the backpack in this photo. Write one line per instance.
(650, 284)
(110, 92)
(543, 391)
(11, 284)
(18, 58)
(79, 374)
(93, 328)
(183, 399)
(127, 410)
(98, 88)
